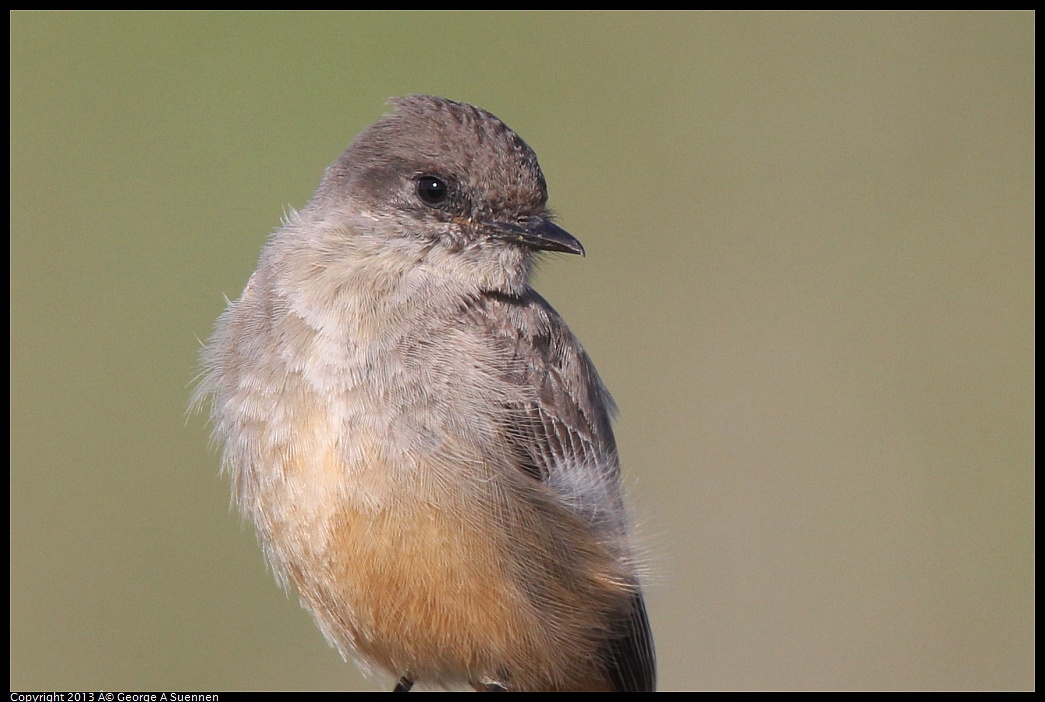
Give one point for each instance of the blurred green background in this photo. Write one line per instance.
(809, 284)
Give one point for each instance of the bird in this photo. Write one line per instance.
(423, 446)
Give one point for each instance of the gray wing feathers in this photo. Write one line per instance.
(561, 435)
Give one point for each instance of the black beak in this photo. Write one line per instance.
(539, 234)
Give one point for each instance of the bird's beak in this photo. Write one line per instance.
(539, 234)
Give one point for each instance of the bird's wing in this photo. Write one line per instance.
(630, 659)
(559, 428)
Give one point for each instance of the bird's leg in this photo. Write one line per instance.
(403, 685)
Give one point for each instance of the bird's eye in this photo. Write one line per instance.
(431, 189)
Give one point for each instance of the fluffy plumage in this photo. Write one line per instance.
(422, 444)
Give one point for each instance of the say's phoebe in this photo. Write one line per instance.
(424, 447)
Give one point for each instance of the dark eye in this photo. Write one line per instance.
(431, 189)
